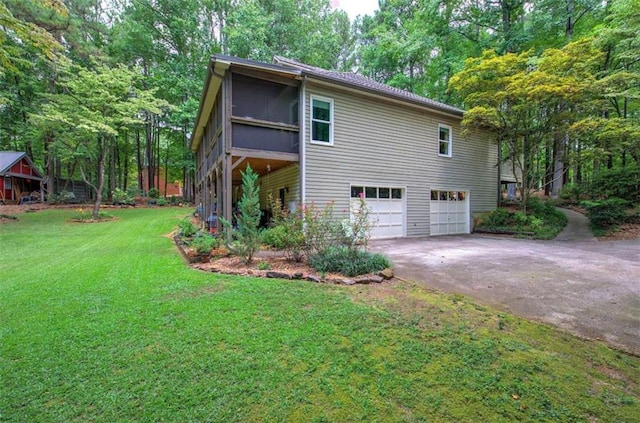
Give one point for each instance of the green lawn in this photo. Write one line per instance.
(104, 322)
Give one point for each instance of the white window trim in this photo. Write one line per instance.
(327, 100)
(450, 152)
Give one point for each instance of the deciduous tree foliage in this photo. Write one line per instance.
(526, 99)
(91, 110)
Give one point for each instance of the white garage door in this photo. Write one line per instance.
(449, 212)
(386, 206)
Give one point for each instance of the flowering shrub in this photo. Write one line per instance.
(357, 230)
(321, 229)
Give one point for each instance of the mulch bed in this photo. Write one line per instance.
(273, 264)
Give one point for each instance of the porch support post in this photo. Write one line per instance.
(219, 199)
(227, 163)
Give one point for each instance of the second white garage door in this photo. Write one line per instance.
(386, 205)
(449, 212)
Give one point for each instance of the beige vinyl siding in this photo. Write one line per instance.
(271, 183)
(379, 143)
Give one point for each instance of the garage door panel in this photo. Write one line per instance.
(387, 209)
(449, 212)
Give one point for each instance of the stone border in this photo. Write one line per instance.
(195, 262)
(379, 277)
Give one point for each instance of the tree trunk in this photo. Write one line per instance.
(548, 169)
(157, 155)
(103, 148)
(139, 160)
(558, 165)
(49, 163)
(125, 170)
(149, 151)
(166, 171)
(112, 169)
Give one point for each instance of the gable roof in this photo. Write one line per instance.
(361, 82)
(9, 158)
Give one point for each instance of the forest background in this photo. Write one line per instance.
(107, 90)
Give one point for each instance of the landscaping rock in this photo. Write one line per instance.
(314, 278)
(345, 281)
(278, 275)
(386, 273)
(297, 275)
(367, 279)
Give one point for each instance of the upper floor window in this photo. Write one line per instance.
(444, 140)
(321, 120)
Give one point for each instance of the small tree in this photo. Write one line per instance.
(245, 240)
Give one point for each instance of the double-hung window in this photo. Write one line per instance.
(321, 120)
(444, 140)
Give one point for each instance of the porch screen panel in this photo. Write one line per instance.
(264, 100)
(258, 138)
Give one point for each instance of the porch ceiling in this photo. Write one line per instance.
(261, 166)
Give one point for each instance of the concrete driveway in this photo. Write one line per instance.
(589, 288)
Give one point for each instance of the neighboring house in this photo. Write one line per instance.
(174, 189)
(18, 178)
(318, 136)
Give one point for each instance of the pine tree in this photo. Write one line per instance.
(245, 240)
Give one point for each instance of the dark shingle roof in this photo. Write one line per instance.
(255, 64)
(364, 83)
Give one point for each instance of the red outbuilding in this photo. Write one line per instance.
(20, 181)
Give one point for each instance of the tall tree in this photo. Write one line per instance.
(94, 106)
(525, 99)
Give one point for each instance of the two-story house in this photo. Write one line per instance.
(315, 135)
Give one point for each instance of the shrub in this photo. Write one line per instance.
(204, 243)
(621, 183)
(186, 228)
(356, 231)
(161, 202)
(245, 241)
(119, 196)
(133, 191)
(496, 218)
(348, 262)
(633, 216)
(321, 229)
(87, 215)
(606, 213)
(275, 237)
(153, 193)
(62, 197)
(542, 220)
(263, 265)
(572, 192)
(286, 232)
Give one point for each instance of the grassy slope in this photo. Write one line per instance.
(104, 322)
